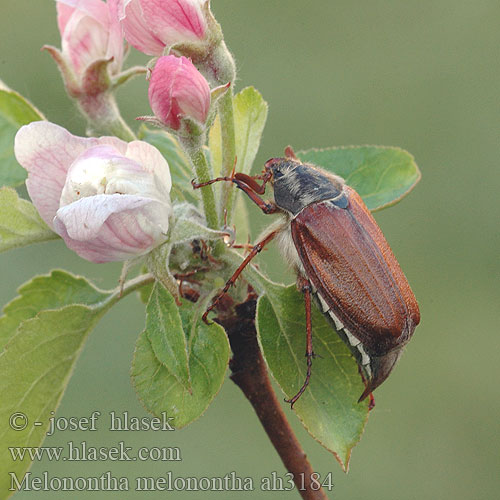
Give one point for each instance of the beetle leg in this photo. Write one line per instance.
(187, 277)
(255, 250)
(266, 206)
(247, 246)
(371, 404)
(306, 289)
(248, 185)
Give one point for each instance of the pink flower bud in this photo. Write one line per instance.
(152, 25)
(178, 90)
(108, 199)
(91, 44)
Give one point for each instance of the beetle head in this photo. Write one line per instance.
(275, 168)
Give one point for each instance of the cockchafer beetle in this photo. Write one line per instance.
(341, 258)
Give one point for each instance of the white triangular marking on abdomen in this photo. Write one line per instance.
(324, 306)
(365, 359)
(338, 324)
(352, 339)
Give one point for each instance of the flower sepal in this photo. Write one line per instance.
(70, 80)
(96, 79)
(215, 95)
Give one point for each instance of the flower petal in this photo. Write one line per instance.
(64, 12)
(83, 218)
(90, 31)
(93, 8)
(116, 48)
(151, 160)
(84, 41)
(135, 29)
(175, 21)
(46, 151)
(128, 228)
(176, 90)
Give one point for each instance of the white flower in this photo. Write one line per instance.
(108, 199)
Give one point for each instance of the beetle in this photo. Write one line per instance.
(342, 260)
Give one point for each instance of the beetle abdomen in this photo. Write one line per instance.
(349, 262)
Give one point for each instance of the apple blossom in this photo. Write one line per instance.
(92, 45)
(152, 25)
(182, 27)
(177, 91)
(108, 199)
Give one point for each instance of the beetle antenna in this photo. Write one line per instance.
(290, 153)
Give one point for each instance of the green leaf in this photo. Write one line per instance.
(381, 175)
(58, 289)
(328, 408)
(39, 356)
(208, 354)
(165, 333)
(145, 292)
(250, 114)
(15, 111)
(20, 223)
(241, 221)
(180, 167)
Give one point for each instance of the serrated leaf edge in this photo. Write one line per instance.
(148, 410)
(189, 386)
(20, 289)
(395, 148)
(344, 466)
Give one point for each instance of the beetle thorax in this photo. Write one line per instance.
(297, 185)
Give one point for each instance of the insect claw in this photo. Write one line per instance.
(292, 401)
(205, 319)
(371, 404)
(234, 167)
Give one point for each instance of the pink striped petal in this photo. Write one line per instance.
(107, 228)
(177, 89)
(135, 29)
(46, 151)
(90, 32)
(175, 21)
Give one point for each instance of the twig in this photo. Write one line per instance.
(249, 373)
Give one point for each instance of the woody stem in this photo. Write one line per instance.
(249, 373)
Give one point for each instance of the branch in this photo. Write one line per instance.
(249, 373)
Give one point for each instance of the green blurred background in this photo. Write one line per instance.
(420, 75)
